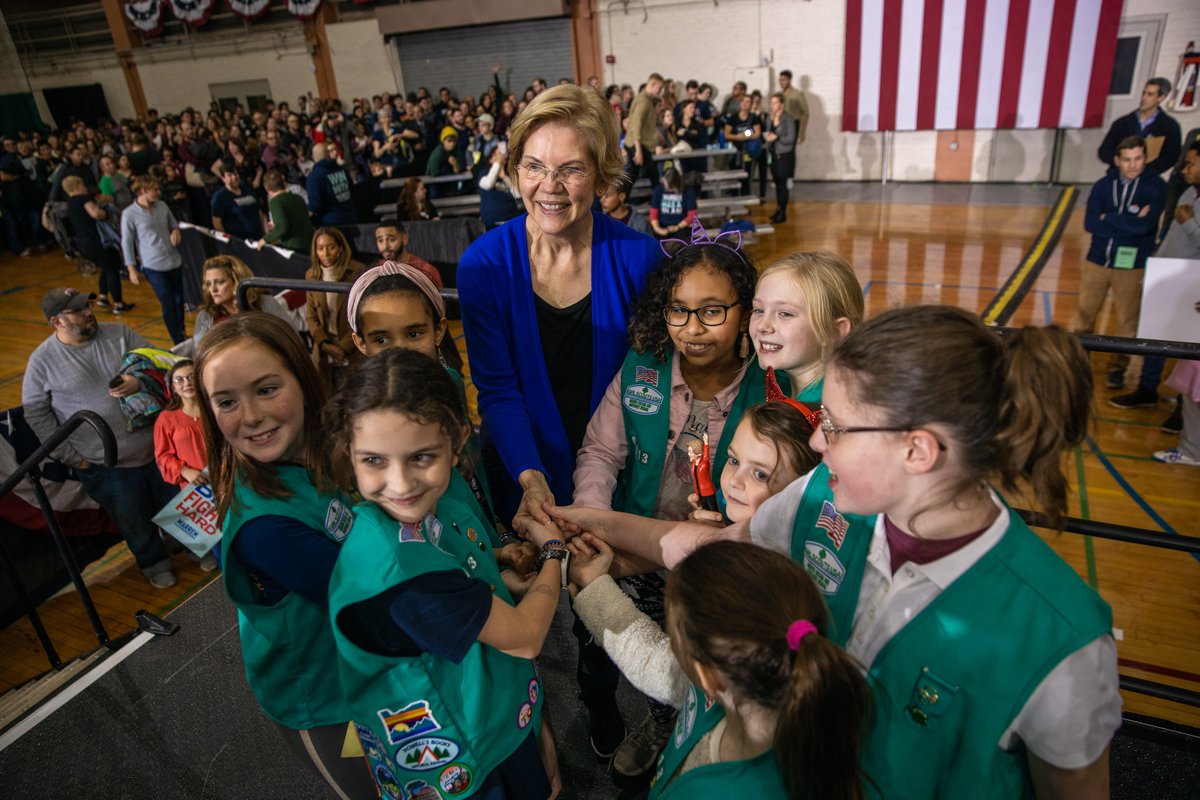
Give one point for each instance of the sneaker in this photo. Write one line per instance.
(639, 752)
(1176, 456)
(1115, 379)
(606, 729)
(123, 307)
(162, 580)
(208, 563)
(101, 301)
(1138, 398)
(1174, 423)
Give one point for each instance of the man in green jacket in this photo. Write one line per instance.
(290, 225)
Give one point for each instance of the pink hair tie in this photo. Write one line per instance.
(797, 631)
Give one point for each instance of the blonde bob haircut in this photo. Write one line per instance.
(830, 290)
(582, 108)
(235, 271)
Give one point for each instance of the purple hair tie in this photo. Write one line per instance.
(797, 631)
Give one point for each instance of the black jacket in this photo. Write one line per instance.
(1163, 125)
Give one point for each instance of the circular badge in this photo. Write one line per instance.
(524, 715)
(471, 534)
(455, 779)
(535, 689)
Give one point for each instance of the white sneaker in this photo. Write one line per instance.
(1176, 456)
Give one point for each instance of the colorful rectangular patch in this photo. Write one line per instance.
(645, 375)
(414, 720)
(833, 524)
(410, 532)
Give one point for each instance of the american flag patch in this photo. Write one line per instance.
(645, 375)
(833, 524)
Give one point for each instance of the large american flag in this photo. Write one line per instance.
(978, 64)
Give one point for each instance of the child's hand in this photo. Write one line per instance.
(517, 583)
(701, 515)
(521, 556)
(541, 533)
(591, 558)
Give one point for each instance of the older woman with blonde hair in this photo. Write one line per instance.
(222, 276)
(545, 301)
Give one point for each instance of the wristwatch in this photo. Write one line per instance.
(555, 549)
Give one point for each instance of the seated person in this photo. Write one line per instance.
(499, 196)
(414, 204)
(444, 160)
(613, 201)
(672, 207)
(235, 211)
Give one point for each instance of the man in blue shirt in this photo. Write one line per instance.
(236, 212)
(329, 190)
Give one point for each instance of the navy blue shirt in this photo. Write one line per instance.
(241, 215)
(284, 555)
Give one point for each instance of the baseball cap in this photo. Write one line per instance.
(486, 118)
(447, 132)
(57, 301)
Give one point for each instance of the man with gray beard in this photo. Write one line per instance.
(77, 368)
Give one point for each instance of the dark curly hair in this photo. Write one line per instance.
(648, 328)
(399, 380)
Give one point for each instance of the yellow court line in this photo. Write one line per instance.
(1031, 259)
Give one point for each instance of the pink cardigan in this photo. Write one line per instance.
(605, 445)
(1185, 379)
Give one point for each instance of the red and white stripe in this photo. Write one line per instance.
(977, 64)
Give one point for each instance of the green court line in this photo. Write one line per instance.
(1134, 422)
(1088, 549)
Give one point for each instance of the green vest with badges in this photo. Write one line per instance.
(756, 777)
(288, 648)
(428, 725)
(952, 680)
(811, 394)
(646, 410)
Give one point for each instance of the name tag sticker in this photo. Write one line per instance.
(1125, 257)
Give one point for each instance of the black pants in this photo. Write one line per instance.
(320, 749)
(648, 169)
(109, 263)
(782, 169)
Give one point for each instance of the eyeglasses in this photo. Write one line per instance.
(182, 379)
(570, 176)
(710, 316)
(831, 432)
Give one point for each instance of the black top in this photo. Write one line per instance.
(566, 335)
(87, 237)
(1129, 125)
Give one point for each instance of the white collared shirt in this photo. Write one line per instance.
(1067, 721)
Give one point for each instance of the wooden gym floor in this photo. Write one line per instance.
(909, 244)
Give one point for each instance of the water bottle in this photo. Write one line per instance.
(721, 138)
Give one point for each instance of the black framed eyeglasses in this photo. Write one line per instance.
(831, 432)
(710, 316)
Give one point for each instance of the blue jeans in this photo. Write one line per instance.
(131, 496)
(168, 286)
(1152, 370)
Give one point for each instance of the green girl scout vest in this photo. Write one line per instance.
(756, 777)
(646, 410)
(288, 648)
(428, 725)
(954, 678)
(811, 394)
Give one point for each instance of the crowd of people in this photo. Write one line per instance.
(780, 521)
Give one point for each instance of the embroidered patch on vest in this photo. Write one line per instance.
(370, 745)
(420, 790)
(534, 690)
(524, 716)
(823, 567)
(388, 786)
(428, 753)
(645, 375)
(455, 779)
(687, 718)
(414, 720)
(642, 399)
(833, 524)
(338, 519)
(410, 532)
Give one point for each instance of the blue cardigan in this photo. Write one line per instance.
(504, 348)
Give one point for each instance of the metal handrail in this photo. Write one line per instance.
(1161, 348)
(30, 469)
(449, 295)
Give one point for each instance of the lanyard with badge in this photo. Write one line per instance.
(1125, 256)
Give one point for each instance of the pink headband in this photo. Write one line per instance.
(393, 268)
(797, 631)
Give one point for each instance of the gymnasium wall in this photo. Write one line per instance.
(679, 38)
(691, 38)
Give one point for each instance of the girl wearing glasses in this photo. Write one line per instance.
(993, 665)
(686, 376)
(178, 437)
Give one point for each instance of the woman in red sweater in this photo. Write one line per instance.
(178, 440)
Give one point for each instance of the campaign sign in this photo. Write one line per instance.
(192, 518)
